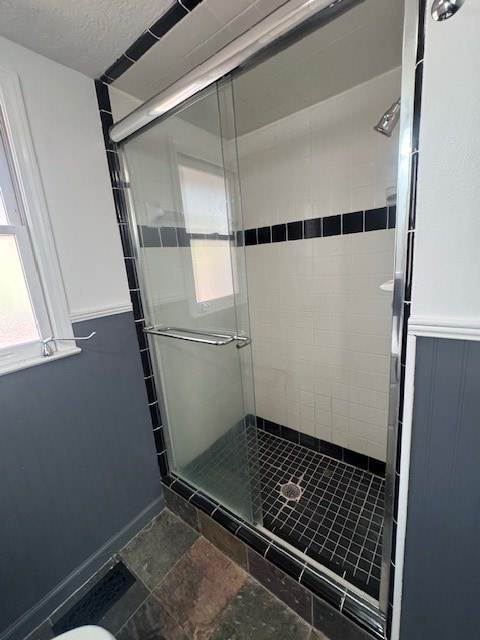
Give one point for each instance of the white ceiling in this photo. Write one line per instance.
(360, 45)
(86, 35)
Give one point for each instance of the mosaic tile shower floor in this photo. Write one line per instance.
(337, 518)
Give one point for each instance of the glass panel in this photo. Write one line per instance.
(183, 202)
(17, 322)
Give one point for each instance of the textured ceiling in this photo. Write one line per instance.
(86, 35)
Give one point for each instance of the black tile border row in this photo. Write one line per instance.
(168, 236)
(340, 224)
(172, 16)
(359, 460)
(317, 583)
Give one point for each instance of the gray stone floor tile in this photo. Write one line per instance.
(158, 547)
(199, 588)
(335, 625)
(43, 632)
(151, 622)
(121, 611)
(223, 540)
(181, 507)
(317, 635)
(255, 614)
(281, 585)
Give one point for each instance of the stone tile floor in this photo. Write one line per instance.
(192, 584)
(196, 592)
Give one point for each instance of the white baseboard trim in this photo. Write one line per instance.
(99, 312)
(453, 328)
(45, 607)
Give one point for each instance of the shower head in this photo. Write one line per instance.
(389, 120)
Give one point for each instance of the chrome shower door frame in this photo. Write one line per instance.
(189, 87)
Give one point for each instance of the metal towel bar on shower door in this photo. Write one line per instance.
(193, 335)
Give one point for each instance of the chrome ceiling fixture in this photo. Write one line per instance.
(389, 120)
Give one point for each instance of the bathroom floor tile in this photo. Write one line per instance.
(181, 507)
(119, 613)
(151, 622)
(281, 585)
(255, 614)
(223, 540)
(197, 590)
(158, 547)
(43, 632)
(318, 635)
(334, 624)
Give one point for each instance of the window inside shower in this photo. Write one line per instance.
(205, 208)
(266, 210)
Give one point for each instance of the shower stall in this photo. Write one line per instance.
(262, 207)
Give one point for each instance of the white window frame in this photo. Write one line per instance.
(34, 237)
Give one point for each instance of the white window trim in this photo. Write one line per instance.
(34, 204)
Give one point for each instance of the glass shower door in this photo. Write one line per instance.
(184, 198)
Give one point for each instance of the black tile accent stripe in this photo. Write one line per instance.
(353, 222)
(180, 237)
(176, 12)
(343, 454)
(342, 224)
(312, 228)
(332, 225)
(321, 585)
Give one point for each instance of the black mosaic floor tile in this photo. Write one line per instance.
(338, 518)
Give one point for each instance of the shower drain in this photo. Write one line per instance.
(291, 491)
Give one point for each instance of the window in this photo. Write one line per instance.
(205, 208)
(32, 302)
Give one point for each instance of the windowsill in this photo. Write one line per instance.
(11, 367)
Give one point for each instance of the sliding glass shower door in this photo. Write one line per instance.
(184, 199)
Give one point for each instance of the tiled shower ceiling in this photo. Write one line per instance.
(358, 46)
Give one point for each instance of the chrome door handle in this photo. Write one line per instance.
(194, 335)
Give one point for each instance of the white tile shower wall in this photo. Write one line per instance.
(323, 160)
(321, 331)
(321, 325)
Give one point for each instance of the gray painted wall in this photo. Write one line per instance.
(442, 556)
(78, 472)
